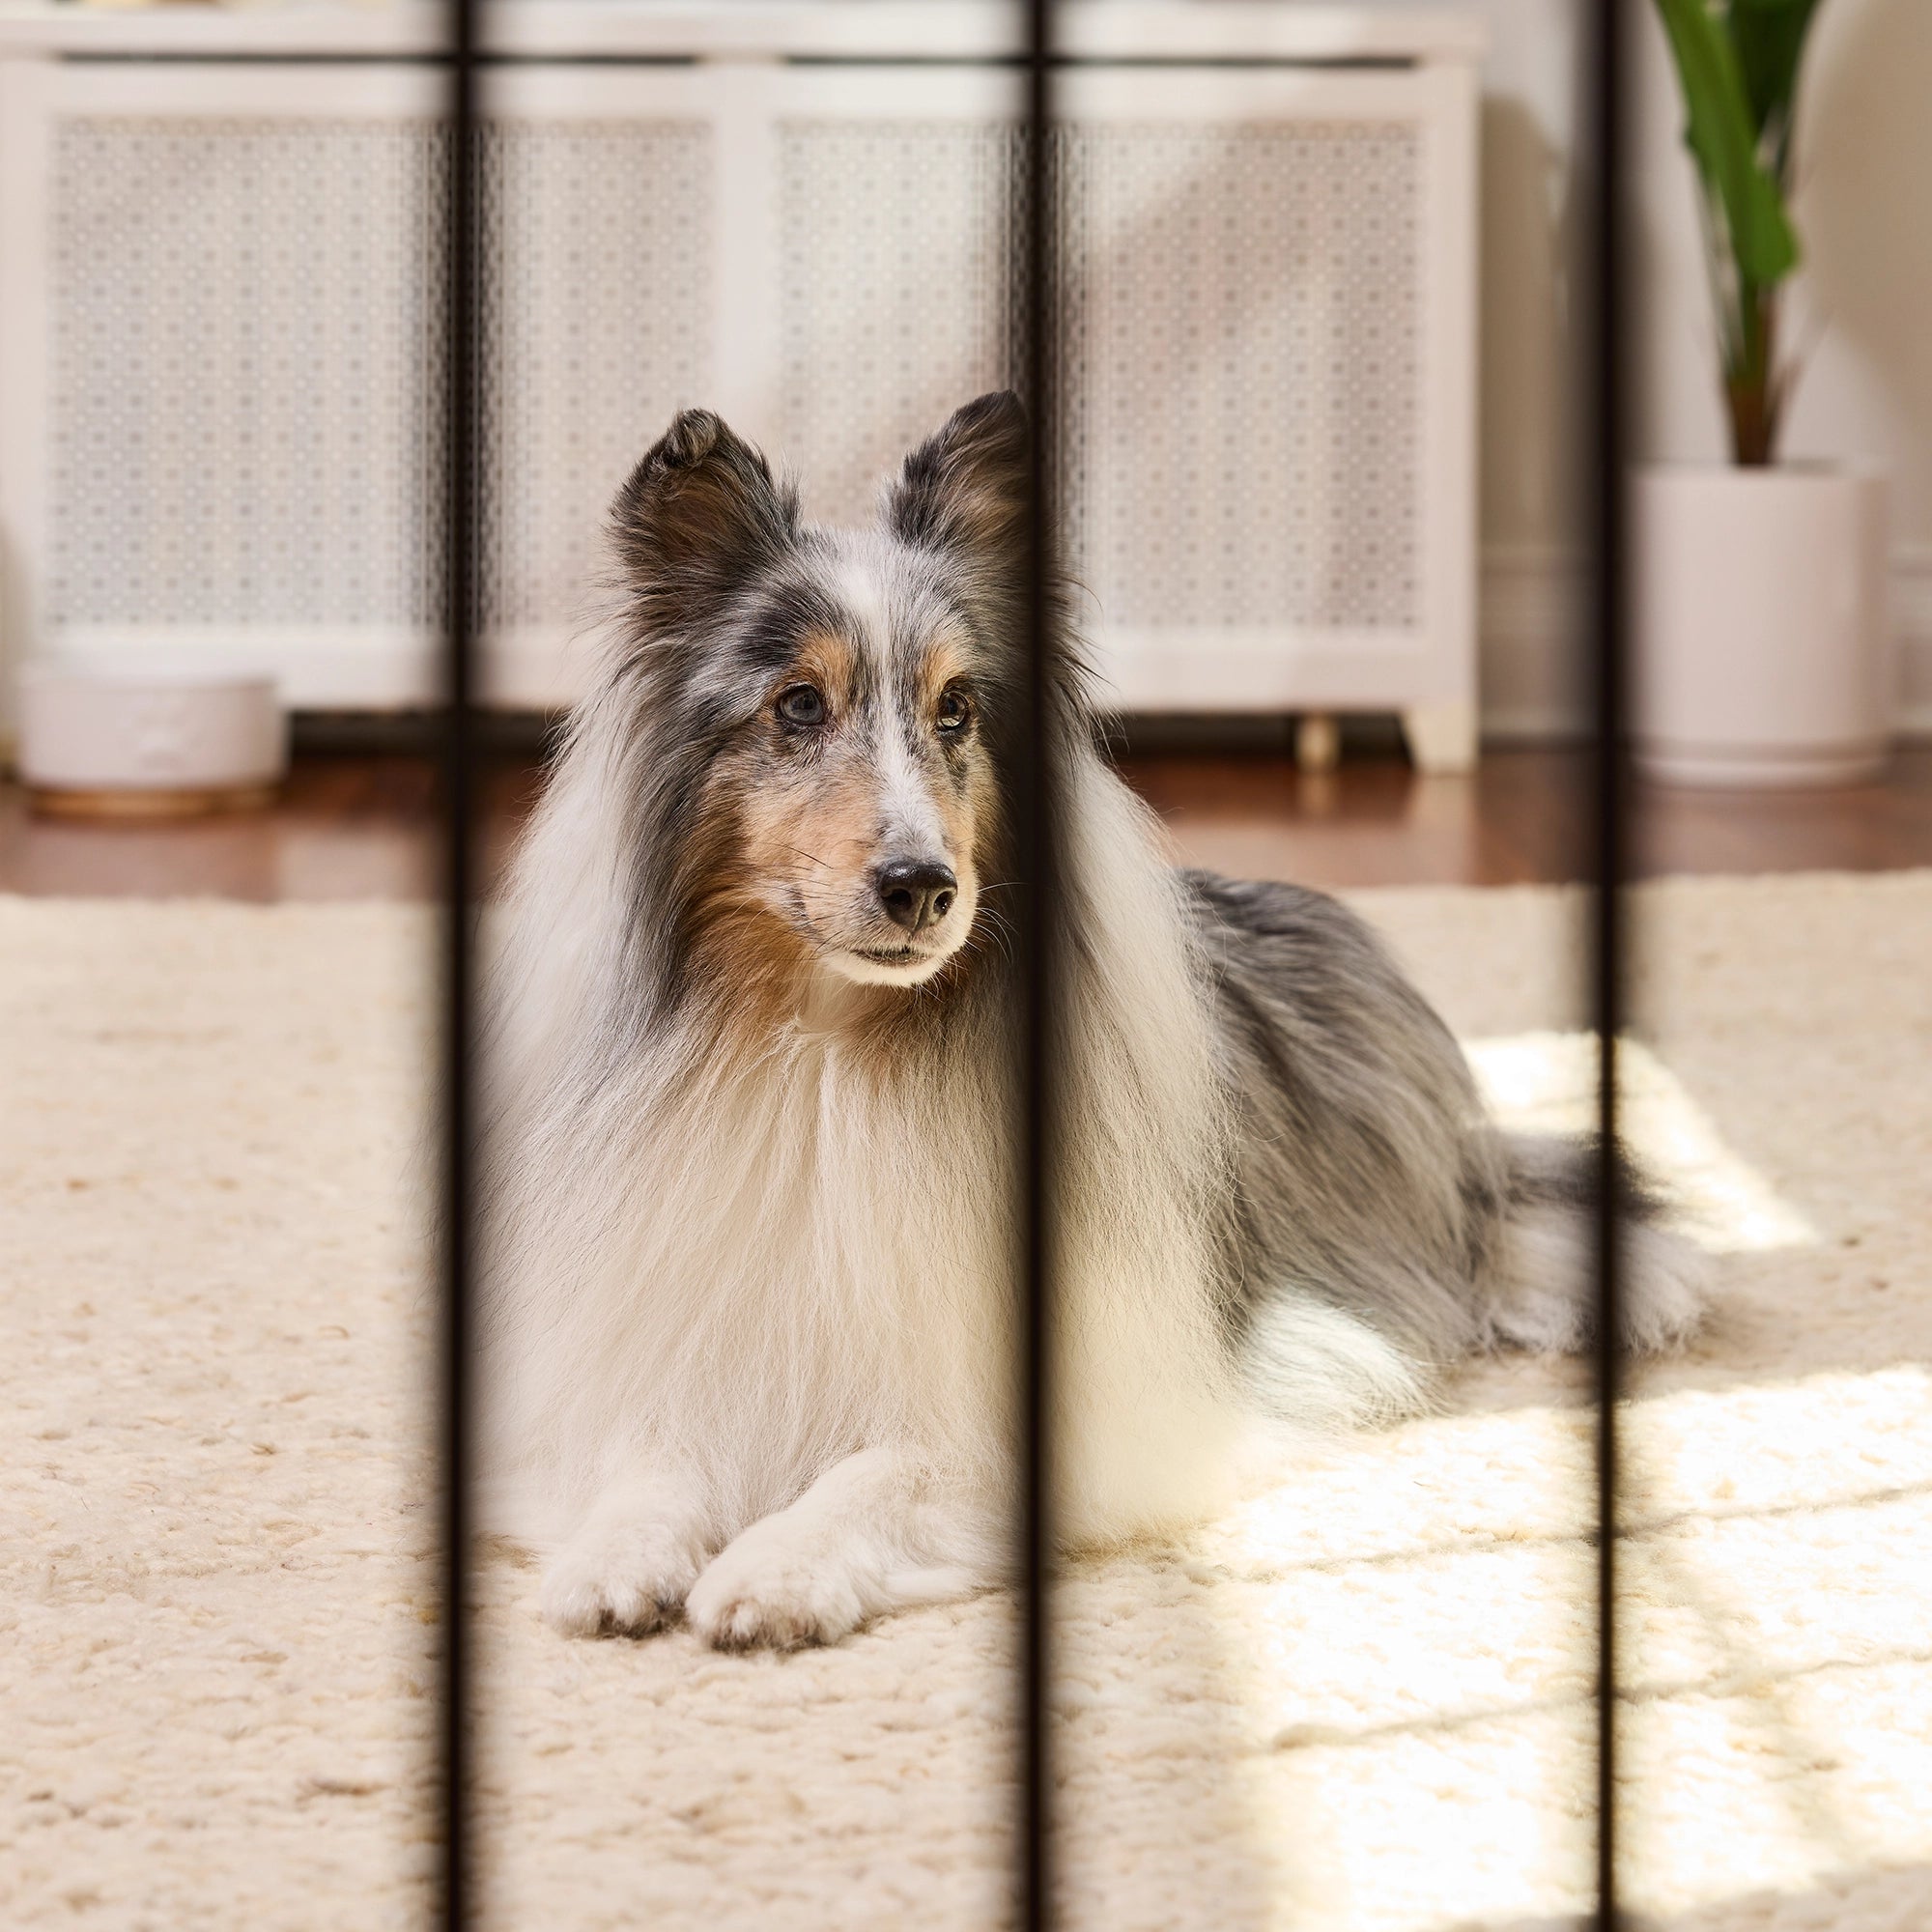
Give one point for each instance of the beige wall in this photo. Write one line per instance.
(1863, 307)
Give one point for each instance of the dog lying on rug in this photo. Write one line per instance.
(751, 1065)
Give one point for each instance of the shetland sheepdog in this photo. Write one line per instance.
(753, 1084)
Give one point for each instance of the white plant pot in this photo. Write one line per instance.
(1762, 655)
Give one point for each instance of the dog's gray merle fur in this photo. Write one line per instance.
(1369, 1175)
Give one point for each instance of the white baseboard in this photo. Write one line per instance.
(1531, 657)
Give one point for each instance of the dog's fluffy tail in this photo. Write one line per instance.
(1311, 1362)
(1539, 1294)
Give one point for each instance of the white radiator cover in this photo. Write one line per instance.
(222, 351)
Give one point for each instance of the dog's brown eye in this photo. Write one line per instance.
(802, 704)
(953, 711)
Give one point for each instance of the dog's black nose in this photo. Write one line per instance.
(916, 892)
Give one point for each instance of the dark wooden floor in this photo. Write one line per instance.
(362, 826)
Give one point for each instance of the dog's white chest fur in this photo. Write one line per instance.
(790, 1261)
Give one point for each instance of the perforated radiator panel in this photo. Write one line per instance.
(1243, 374)
(1240, 363)
(895, 304)
(248, 354)
(246, 339)
(600, 331)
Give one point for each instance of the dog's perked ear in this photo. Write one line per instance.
(965, 489)
(698, 518)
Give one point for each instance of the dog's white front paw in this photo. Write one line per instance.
(773, 1588)
(628, 1574)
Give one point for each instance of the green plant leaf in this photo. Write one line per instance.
(1770, 39)
(1722, 133)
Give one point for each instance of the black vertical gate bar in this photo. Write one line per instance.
(1606, 417)
(459, 763)
(1036, 821)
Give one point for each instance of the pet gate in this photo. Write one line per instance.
(1232, 273)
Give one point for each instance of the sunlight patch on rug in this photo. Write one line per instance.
(1412, 1617)
(1546, 1083)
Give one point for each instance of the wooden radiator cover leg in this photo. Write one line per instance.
(1441, 737)
(1318, 741)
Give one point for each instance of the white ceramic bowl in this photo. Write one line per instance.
(135, 742)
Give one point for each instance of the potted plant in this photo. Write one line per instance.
(1761, 643)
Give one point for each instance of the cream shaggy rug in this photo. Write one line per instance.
(1363, 1700)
